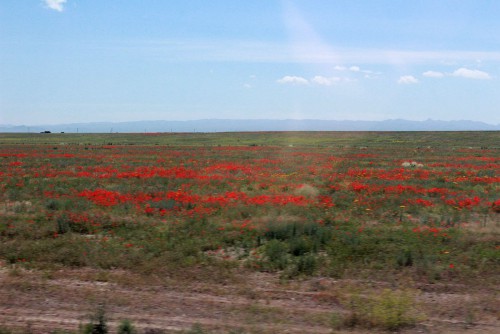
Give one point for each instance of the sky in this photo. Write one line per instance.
(70, 61)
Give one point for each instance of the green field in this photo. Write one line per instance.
(372, 230)
(451, 139)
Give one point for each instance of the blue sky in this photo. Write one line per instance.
(116, 60)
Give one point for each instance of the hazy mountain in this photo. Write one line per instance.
(233, 125)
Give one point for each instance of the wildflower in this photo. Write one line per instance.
(452, 266)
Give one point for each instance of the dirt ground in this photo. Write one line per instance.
(249, 302)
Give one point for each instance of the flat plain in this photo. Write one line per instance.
(257, 232)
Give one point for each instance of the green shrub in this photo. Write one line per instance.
(277, 254)
(392, 310)
(97, 324)
(126, 327)
(389, 310)
(196, 329)
(405, 258)
(53, 204)
(307, 264)
(63, 224)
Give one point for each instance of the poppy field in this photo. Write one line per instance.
(420, 207)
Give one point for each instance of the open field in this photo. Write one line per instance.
(298, 232)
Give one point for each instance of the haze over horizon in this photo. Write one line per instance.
(75, 61)
(253, 125)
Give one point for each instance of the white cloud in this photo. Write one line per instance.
(407, 80)
(295, 80)
(433, 74)
(56, 5)
(461, 72)
(471, 74)
(351, 68)
(316, 80)
(356, 69)
(324, 81)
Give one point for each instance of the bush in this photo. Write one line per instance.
(277, 254)
(98, 324)
(390, 310)
(196, 329)
(405, 258)
(126, 327)
(307, 264)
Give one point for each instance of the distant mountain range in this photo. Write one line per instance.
(235, 125)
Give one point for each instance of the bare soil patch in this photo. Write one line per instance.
(40, 302)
